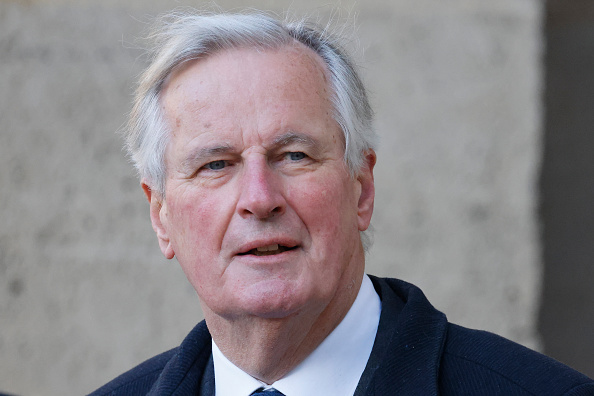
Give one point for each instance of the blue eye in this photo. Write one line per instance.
(216, 165)
(296, 155)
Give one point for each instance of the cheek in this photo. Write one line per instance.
(195, 218)
(327, 206)
(197, 238)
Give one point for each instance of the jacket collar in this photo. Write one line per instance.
(407, 350)
(183, 373)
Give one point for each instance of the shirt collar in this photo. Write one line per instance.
(334, 367)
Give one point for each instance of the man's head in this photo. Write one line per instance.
(183, 37)
(257, 198)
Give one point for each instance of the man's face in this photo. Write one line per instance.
(260, 209)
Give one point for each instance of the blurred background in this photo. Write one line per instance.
(485, 112)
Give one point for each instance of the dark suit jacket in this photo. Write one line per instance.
(416, 352)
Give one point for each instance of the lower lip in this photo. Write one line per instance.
(266, 259)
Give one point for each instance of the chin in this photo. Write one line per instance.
(274, 300)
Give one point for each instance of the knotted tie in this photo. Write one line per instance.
(266, 392)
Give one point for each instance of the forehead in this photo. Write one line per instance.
(295, 72)
(293, 60)
(248, 89)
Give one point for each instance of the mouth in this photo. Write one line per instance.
(268, 250)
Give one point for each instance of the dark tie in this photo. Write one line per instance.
(266, 392)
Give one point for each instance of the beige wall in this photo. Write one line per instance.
(84, 290)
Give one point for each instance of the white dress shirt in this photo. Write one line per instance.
(333, 368)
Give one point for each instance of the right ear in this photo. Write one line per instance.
(158, 210)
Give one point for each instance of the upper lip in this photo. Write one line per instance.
(247, 246)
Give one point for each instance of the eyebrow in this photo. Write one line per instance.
(206, 152)
(283, 140)
(295, 137)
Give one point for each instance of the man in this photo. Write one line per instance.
(254, 145)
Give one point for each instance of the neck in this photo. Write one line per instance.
(268, 349)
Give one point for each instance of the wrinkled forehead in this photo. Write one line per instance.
(298, 55)
(236, 91)
(275, 78)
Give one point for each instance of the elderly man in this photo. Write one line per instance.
(254, 144)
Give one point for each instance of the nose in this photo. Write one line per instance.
(261, 193)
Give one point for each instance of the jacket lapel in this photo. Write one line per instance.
(407, 350)
(183, 373)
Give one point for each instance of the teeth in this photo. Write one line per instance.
(268, 248)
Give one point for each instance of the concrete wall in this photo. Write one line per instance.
(84, 291)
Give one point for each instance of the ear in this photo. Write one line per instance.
(367, 195)
(158, 210)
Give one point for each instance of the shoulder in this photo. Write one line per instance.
(138, 380)
(475, 361)
(416, 344)
(181, 366)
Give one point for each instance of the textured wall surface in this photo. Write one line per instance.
(84, 290)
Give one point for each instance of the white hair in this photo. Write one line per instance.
(181, 37)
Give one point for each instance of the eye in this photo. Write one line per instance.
(296, 155)
(216, 165)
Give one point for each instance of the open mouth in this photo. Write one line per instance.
(268, 250)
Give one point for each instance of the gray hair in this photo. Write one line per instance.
(187, 36)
